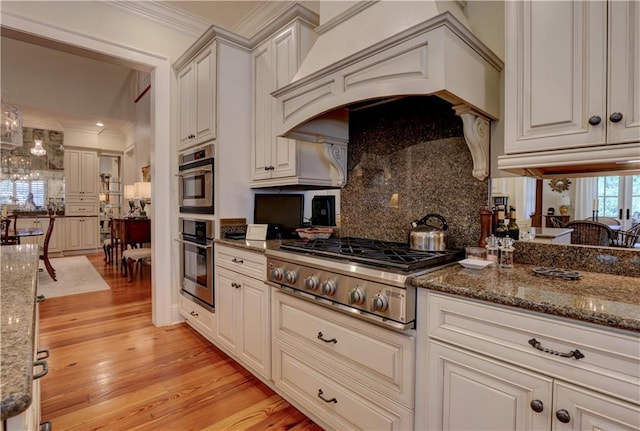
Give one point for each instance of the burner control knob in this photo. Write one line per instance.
(277, 274)
(356, 296)
(311, 282)
(329, 287)
(379, 303)
(291, 277)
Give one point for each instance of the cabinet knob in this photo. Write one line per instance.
(595, 120)
(537, 406)
(563, 416)
(266, 168)
(615, 117)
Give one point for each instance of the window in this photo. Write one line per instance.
(619, 197)
(16, 192)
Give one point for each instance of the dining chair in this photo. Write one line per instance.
(556, 222)
(7, 238)
(587, 232)
(44, 250)
(627, 238)
(132, 258)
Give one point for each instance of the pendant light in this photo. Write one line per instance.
(38, 149)
(11, 126)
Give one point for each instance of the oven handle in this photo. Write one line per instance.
(190, 173)
(193, 243)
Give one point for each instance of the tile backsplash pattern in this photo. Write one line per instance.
(406, 159)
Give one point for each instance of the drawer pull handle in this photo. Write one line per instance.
(321, 337)
(563, 416)
(45, 369)
(236, 285)
(537, 406)
(331, 400)
(194, 314)
(572, 354)
(236, 260)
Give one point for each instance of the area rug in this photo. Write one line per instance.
(75, 275)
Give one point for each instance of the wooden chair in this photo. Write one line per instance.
(556, 222)
(586, 232)
(627, 238)
(7, 238)
(609, 221)
(133, 258)
(44, 250)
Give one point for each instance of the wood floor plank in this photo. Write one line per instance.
(111, 369)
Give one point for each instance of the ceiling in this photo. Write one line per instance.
(226, 14)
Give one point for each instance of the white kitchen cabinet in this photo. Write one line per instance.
(197, 98)
(243, 310)
(81, 233)
(277, 161)
(344, 372)
(81, 179)
(479, 367)
(572, 77)
(197, 317)
(56, 242)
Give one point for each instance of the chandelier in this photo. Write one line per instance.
(16, 165)
(11, 127)
(38, 149)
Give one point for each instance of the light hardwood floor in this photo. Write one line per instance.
(111, 369)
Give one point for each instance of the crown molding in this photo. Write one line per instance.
(269, 17)
(164, 14)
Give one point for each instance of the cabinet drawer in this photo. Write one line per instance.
(252, 264)
(81, 208)
(342, 408)
(611, 363)
(197, 316)
(370, 355)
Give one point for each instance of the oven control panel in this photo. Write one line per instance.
(345, 291)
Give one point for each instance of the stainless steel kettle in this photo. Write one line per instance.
(426, 237)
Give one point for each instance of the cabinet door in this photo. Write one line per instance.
(204, 118)
(90, 168)
(588, 410)
(186, 105)
(624, 71)
(73, 233)
(72, 173)
(472, 392)
(255, 343)
(285, 63)
(263, 82)
(90, 232)
(227, 297)
(555, 75)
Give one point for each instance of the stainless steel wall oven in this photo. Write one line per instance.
(196, 172)
(196, 239)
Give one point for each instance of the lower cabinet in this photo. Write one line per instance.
(243, 310)
(343, 372)
(484, 367)
(56, 243)
(199, 318)
(81, 233)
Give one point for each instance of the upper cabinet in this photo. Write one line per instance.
(277, 161)
(197, 87)
(572, 79)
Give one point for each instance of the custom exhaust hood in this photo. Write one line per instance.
(382, 50)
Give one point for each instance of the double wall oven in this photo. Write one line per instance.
(196, 172)
(196, 243)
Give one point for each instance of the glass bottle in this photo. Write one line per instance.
(502, 231)
(492, 250)
(512, 227)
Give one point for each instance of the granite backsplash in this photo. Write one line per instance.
(408, 158)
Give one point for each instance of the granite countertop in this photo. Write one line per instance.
(604, 299)
(19, 272)
(259, 246)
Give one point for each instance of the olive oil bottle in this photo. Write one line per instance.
(512, 227)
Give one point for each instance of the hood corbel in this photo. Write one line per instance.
(476, 128)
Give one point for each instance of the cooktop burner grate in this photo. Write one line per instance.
(374, 252)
